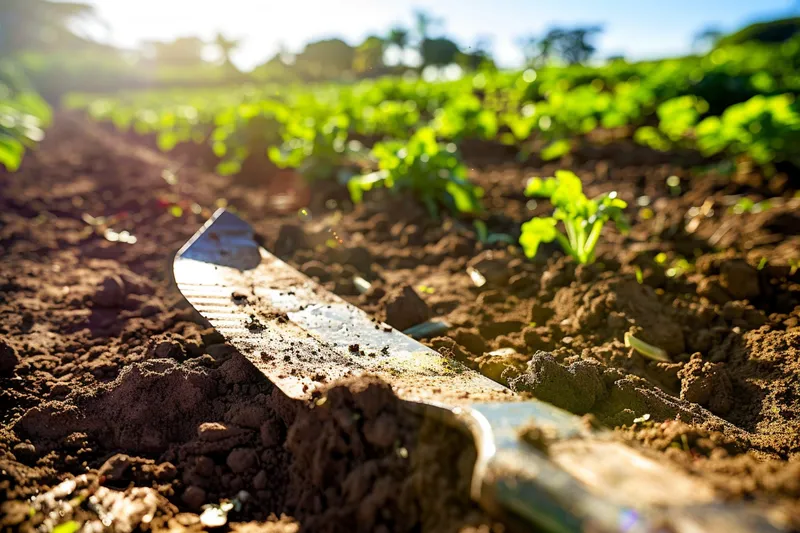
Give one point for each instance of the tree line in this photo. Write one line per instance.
(45, 25)
(48, 27)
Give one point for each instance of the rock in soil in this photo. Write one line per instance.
(404, 308)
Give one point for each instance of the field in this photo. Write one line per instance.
(620, 241)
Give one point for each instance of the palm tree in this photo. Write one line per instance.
(26, 24)
(399, 37)
(226, 46)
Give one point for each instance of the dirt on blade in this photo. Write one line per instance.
(106, 371)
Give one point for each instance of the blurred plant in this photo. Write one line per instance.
(430, 170)
(23, 116)
(369, 55)
(583, 219)
(317, 151)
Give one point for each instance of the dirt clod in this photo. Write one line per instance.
(404, 308)
(575, 387)
(740, 279)
(242, 459)
(8, 358)
(110, 292)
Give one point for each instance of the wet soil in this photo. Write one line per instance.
(106, 371)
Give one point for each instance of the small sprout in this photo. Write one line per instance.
(426, 289)
(647, 350)
(794, 265)
(762, 263)
(746, 205)
(639, 276)
(482, 230)
(679, 266)
(583, 219)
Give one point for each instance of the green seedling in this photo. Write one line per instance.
(647, 350)
(583, 218)
(430, 170)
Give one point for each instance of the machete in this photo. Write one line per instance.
(301, 336)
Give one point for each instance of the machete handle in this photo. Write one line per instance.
(572, 478)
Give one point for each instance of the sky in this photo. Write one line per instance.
(638, 29)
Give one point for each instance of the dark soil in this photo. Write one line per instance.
(105, 371)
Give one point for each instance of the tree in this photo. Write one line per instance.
(772, 31)
(398, 37)
(572, 45)
(38, 24)
(538, 52)
(707, 37)
(226, 47)
(369, 55)
(438, 52)
(326, 57)
(477, 56)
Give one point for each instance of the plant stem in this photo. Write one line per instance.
(648, 350)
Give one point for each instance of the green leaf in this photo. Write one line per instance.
(556, 150)
(70, 526)
(11, 151)
(167, 140)
(535, 232)
(229, 168)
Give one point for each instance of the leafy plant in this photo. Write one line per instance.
(432, 171)
(582, 218)
(317, 151)
(23, 117)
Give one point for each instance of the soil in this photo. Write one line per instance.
(107, 373)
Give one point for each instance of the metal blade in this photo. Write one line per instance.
(300, 335)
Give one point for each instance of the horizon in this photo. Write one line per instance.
(629, 28)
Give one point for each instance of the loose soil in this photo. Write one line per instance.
(105, 371)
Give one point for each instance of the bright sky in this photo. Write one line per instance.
(636, 28)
